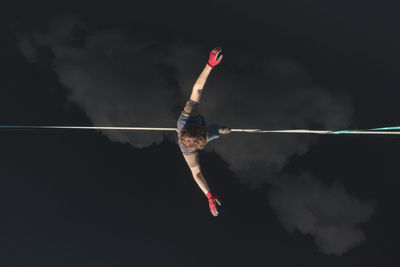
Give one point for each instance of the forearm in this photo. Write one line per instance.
(199, 85)
(201, 181)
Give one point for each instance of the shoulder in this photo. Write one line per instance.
(192, 159)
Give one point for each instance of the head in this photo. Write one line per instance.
(192, 137)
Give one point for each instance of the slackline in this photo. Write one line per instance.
(374, 131)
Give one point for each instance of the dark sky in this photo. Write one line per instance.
(87, 198)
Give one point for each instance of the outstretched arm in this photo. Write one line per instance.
(214, 59)
(198, 86)
(194, 165)
(202, 183)
(193, 162)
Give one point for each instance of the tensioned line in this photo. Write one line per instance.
(376, 131)
(119, 128)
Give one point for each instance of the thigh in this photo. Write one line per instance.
(191, 109)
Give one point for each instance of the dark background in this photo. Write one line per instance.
(70, 198)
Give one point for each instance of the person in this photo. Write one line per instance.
(194, 134)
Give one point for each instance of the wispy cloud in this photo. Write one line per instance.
(328, 213)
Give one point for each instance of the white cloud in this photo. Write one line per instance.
(329, 214)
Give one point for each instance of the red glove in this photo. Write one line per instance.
(214, 54)
(211, 201)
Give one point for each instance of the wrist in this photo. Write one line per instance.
(208, 66)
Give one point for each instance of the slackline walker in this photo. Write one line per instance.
(193, 134)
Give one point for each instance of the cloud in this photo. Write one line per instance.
(115, 80)
(118, 79)
(329, 214)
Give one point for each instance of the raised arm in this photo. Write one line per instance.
(214, 59)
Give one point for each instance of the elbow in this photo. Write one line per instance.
(197, 88)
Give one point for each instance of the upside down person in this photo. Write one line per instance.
(194, 134)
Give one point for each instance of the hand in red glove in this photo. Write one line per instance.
(215, 57)
(212, 199)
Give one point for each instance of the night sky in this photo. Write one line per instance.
(107, 198)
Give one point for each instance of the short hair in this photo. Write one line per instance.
(192, 137)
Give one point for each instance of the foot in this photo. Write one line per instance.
(224, 130)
